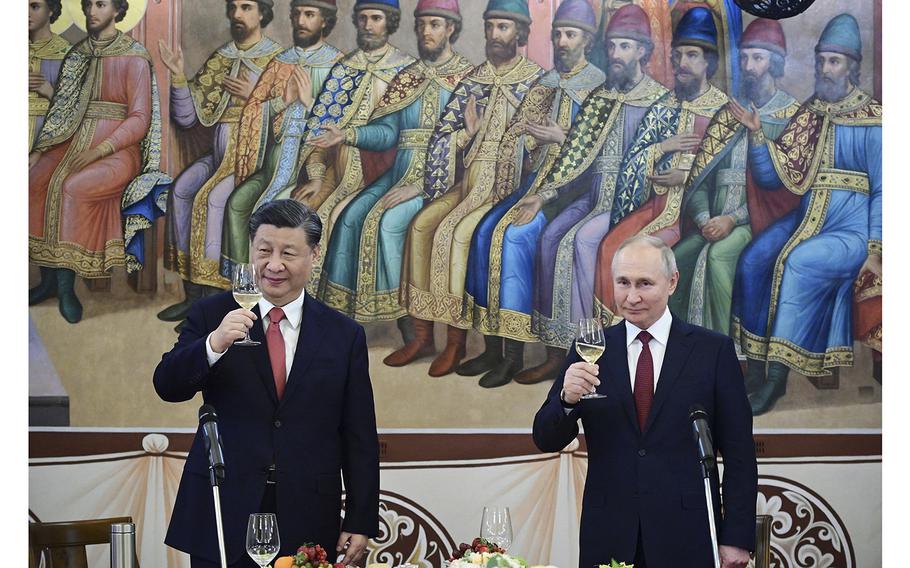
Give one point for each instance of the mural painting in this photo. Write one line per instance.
(473, 165)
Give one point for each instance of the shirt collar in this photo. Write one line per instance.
(659, 330)
(293, 311)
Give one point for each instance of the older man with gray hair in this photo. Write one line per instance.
(642, 462)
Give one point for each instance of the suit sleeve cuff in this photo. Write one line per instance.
(210, 354)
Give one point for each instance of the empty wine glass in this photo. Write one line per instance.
(496, 526)
(262, 541)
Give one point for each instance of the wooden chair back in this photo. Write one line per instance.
(63, 544)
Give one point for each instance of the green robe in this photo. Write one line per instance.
(707, 269)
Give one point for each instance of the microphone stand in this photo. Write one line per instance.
(709, 498)
(217, 477)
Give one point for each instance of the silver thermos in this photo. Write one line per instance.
(123, 546)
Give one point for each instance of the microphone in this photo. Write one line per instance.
(702, 434)
(209, 422)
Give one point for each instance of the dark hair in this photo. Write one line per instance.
(456, 28)
(288, 214)
(524, 30)
(121, 5)
(267, 14)
(392, 19)
(331, 18)
(713, 60)
(55, 7)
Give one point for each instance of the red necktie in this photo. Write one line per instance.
(275, 342)
(644, 380)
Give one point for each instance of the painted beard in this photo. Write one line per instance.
(566, 59)
(620, 75)
(371, 42)
(753, 87)
(500, 52)
(306, 38)
(686, 85)
(239, 32)
(428, 53)
(97, 26)
(830, 90)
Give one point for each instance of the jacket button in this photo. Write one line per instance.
(642, 453)
(278, 424)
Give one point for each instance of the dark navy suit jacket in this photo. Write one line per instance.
(323, 429)
(652, 479)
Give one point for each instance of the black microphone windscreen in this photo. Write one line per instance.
(207, 413)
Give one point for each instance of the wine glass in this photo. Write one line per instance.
(262, 541)
(590, 345)
(496, 526)
(246, 292)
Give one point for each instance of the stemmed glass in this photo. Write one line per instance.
(590, 345)
(496, 526)
(246, 292)
(262, 541)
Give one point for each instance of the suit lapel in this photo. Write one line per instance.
(617, 355)
(260, 355)
(679, 345)
(307, 343)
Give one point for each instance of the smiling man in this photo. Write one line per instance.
(101, 140)
(643, 463)
(213, 98)
(304, 391)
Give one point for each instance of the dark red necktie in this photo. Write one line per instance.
(275, 342)
(644, 380)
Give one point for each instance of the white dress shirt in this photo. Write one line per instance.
(290, 330)
(660, 333)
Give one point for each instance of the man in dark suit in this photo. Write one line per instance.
(644, 499)
(295, 413)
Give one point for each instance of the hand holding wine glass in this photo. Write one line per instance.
(262, 539)
(590, 345)
(496, 526)
(246, 292)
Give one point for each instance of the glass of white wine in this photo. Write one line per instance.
(590, 345)
(262, 540)
(246, 292)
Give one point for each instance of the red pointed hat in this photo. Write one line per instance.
(630, 22)
(765, 34)
(444, 8)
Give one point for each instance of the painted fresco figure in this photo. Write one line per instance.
(501, 259)
(94, 181)
(352, 89)
(466, 142)
(213, 98)
(45, 57)
(793, 292)
(589, 162)
(363, 261)
(715, 207)
(226, 85)
(653, 173)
